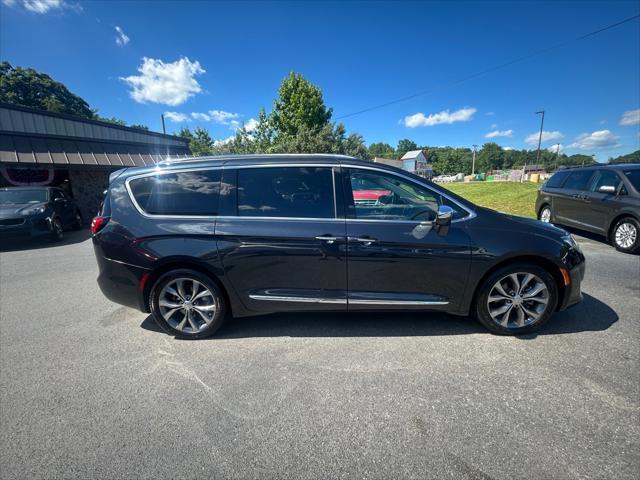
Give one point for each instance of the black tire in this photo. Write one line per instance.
(57, 229)
(541, 214)
(77, 221)
(172, 326)
(632, 228)
(531, 323)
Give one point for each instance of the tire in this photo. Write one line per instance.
(521, 315)
(171, 304)
(545, 214)
(625, 235)
(57, 229)
(77, 223)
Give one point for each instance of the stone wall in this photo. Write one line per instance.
(88, 186)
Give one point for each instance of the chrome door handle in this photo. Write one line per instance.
(327, 238)
(364, 240)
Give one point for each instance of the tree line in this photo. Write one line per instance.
(299, 122)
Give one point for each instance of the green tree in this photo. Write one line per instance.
(629, 158)
(405, 145)
(490, 157)
(140, 126)
(299, 105)
(30, 88)
(201, 143)
(381, 150)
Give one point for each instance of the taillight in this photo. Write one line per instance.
(98, 224)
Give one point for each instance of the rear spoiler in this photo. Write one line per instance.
(116, 174)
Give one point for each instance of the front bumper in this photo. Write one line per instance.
(574, 262)
(24, 227)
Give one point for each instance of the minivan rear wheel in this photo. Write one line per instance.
(187, 304)
(626, 235)
(517, 299)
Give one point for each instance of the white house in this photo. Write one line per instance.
(416, 162)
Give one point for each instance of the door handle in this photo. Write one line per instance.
(364, 240)
(327, 238)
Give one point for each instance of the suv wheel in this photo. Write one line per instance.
(187, 304)
(57, 230)
(517, 299)
(626, 235)
(545, 214)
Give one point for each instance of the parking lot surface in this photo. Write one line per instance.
(90, 389)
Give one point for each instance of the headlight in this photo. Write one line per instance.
(34, 211)
(572, 241)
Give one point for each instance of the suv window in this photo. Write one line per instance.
(55, 193)
(578, 180)
(185, 193)
(383, 196)
(605, 177)
(556, 179)
(634, 177)
(300, 192)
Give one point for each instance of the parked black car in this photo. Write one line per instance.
(601, 199)
(36, 212)
(196, 240)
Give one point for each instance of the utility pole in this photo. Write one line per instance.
(539, 143)
(557, 154)
(473, 161)
(164, 130)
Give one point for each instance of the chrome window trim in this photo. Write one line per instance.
(295, 219)
(333, 166)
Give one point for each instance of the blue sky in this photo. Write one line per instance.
(215, 64)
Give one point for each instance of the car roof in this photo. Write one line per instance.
(611, 166)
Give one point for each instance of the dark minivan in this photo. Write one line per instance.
(603, 199)
(196, 240)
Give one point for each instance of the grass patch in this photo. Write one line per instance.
(510, 197)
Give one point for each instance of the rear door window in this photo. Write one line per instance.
(194, 193)
(578, 180)
(300, 192)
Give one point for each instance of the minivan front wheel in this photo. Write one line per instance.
(626, 235)
(517, 299)
(187, 304)
(545, 214)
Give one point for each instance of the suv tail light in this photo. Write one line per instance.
(98, 224)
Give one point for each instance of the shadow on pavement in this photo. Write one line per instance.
(70, 237)
(589, 315)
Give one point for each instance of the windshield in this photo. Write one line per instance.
(13, 197)
(634, 177)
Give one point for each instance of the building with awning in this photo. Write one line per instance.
(74, 153)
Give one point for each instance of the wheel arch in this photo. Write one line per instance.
(541, 262)
(181, 264)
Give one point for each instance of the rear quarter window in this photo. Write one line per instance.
(194, 193)
(634, 178)
(557, 179)
(578, 180)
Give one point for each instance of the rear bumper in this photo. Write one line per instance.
(121, 283)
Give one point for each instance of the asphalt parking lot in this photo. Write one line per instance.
(90, 389)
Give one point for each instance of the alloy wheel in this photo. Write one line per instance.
(545, 215)
(58, 230)
(187, 305)
(517, 300)
(626, 235)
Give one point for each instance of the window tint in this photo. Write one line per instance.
(383, 196)
(578, 180)
(605, 177)
(556, 180)
(185, 193)
(634, 177)
(302, 192)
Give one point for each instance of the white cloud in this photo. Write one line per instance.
(251, 125)
(203, 117)
(167, 83)
(630, 117)
(177, 117)
(595, 140)
(121, 38)
(508, 148)
(499, 133)
(554, 148)
(420, 120)
(546, 137)
(222, 117)
(42, 6)
(225, 141)
(493, 126)
(490, 114)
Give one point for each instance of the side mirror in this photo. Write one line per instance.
(607, 189)
(60, 200)
(443, 219)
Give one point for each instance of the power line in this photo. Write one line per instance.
(489, 70)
